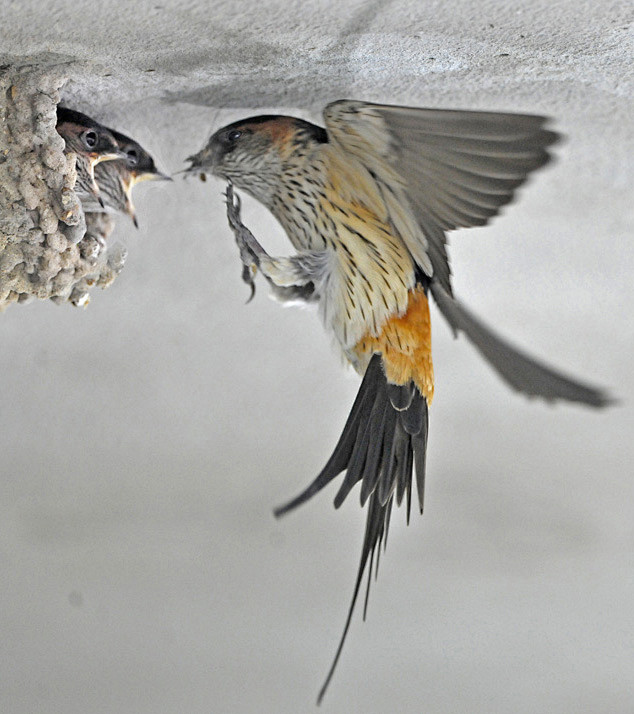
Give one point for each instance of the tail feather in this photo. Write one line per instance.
(420, 457)
(517, 369)
(413, 417)
(380, 443)
(404, 462)
(375, 532)
(340, 457)
(401, 395)
(372, 469)
(409, 465)
(369, 439)
(387, 481)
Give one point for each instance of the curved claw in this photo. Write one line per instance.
(241, 232)
(247, 276)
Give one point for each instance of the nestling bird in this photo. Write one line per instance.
(116, 179)
(367, 202)
(92, 144)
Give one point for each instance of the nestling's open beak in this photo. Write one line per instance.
(150, 176)
(131, 211)
(96, 193)
(159, 176)
(96, 158)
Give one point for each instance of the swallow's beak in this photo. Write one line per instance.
(150, 176)
(130, 210)
(128, 182)
(159, 176)
(96, 193)
(98, 158)
(134, 178)
(188, 171)
(201, 163)
(193, 159)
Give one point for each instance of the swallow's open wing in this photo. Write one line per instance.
(456, 168)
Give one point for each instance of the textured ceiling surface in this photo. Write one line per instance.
(145, 440)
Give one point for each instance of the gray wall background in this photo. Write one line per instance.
(144, 441)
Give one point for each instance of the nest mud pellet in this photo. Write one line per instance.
(48, 248)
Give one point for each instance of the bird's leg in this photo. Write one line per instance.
(243, 236)
(292, 278)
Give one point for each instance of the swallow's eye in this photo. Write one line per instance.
(234, 135)
(133, 157)
(90, 139)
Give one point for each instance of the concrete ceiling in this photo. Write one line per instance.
(145, 440)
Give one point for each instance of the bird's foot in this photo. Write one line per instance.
(250, 250)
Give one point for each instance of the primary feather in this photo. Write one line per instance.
(456, 168)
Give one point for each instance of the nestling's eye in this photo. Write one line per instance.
(234, 135)
(90, 139)
(133, 158)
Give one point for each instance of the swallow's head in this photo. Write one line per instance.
(138, 163)
(87, 137)
(254, 153)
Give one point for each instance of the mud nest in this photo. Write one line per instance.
(48, 248)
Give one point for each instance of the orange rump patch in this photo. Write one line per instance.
(405, 345)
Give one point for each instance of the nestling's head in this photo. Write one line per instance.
(87, 137)
(138, 164)
(252, 153)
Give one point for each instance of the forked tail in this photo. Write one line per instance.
(384, 438)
